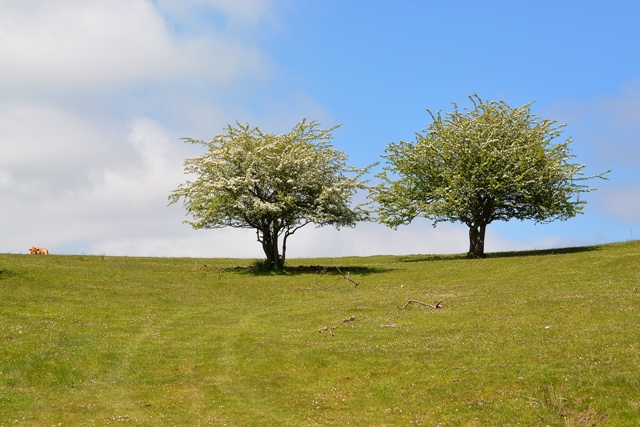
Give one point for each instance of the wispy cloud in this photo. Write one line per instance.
(622, 201)
(245, 13)
(606, 129)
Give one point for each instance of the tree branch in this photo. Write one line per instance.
(346, 277)
(412, 301)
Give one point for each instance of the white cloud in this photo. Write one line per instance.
(366, 239)
(182, 242)
(375, 239)
(157, 171)
(115, 200)
(71, 45)
(49, 150)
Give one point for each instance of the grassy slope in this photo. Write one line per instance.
(541, 338)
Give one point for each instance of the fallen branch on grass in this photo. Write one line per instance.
(345, 277)
(412, 301)
(325, 328)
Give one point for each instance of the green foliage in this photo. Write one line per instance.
(274, 184)
(536, 338)
(492, 163)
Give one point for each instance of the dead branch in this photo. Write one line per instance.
(412, 301)
(346, 277)
(325, 328)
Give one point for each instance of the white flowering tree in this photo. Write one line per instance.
(492, 163)
(275, 184)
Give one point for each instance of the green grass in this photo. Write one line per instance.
(542, 338)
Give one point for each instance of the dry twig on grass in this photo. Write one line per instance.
(325, 328)
(345, 277)
(412, 301)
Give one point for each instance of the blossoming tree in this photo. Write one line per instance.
(274, 184)
(491, 163)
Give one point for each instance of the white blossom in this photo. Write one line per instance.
(274, 184)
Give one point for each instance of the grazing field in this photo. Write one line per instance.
(542, 338)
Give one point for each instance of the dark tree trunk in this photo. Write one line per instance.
(269, 234)
(284, 248)
(270, 248)
(476, 240)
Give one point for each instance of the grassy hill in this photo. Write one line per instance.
(529, 338)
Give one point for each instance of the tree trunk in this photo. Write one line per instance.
(284, 248)
(270, 248)
(476, 240)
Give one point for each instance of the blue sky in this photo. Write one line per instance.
(96, 95)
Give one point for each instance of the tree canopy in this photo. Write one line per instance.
(275, 184)
(491, 163)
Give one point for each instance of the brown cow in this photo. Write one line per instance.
(34, 250)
